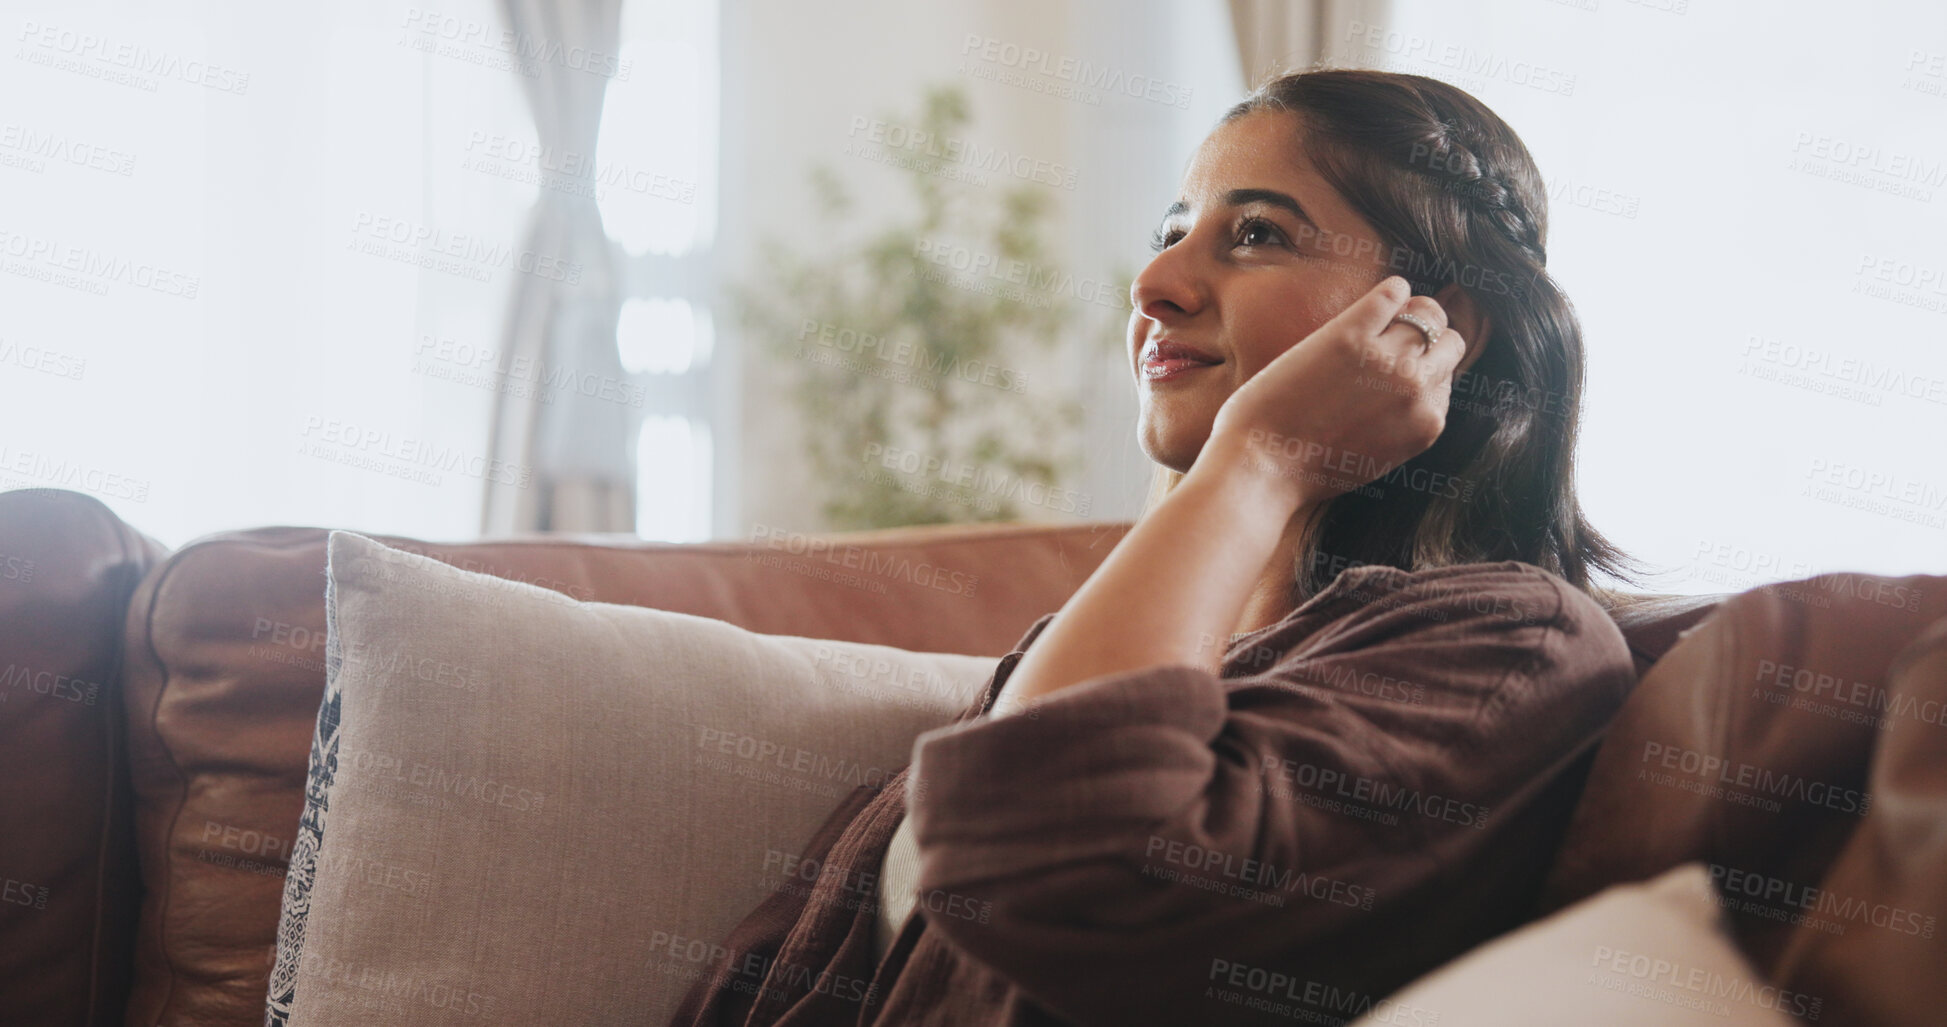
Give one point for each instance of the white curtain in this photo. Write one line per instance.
(1276, 36)
(575, 447)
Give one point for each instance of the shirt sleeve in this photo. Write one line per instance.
(1120, 849)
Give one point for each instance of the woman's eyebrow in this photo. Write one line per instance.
(1244, 197)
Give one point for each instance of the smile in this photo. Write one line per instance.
(1163, 369)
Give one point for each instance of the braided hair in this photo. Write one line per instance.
(1452, 155)
(1456, 199)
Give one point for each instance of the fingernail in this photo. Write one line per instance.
(1395, 285)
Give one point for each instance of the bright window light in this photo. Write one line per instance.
(656, 336)
(673, 459)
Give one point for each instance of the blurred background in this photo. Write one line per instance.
(700, 269)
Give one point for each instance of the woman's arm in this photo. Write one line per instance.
(1178, 580)
(1279, 447)
(1384, 796)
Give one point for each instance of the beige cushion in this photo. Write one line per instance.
(1633, 954)
(547, 811)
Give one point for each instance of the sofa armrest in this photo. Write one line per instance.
(67, 856)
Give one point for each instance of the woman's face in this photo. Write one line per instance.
(1259, 251)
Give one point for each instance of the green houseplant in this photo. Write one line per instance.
(905, 345)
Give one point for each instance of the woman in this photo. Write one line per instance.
(1315, 725)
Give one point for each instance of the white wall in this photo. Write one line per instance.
(1712, 235)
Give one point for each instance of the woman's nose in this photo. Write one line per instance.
(1168, 287)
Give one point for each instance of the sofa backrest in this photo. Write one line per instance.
(1796, 744)
(213, 714)
(1651, 624)
(226, 670)
(67, 851)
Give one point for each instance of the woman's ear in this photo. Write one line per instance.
(1466, 317)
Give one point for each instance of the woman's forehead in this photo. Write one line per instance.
(1261, 150)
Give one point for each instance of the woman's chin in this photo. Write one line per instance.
(1177, 454)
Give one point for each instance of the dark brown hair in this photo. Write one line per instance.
(1456, 198)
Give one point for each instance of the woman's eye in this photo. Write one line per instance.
(1256, 232)
(1251, 232)
(1161, 240)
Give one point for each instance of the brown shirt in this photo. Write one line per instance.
(1369, 788)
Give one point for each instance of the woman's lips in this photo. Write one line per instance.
(1165, 359)
(1163, 369)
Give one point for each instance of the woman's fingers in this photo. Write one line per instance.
(1369, 314)
(1363, 389)
(1453, 348)
(1425, 309)
(1413, 360)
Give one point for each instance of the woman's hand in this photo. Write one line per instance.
(1353, 400)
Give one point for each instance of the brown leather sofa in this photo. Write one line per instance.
(68, 886)
(143, 835)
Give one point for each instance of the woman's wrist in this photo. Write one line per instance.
(1255, 469)
(1172, 590)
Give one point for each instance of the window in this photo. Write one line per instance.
(657, 152)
